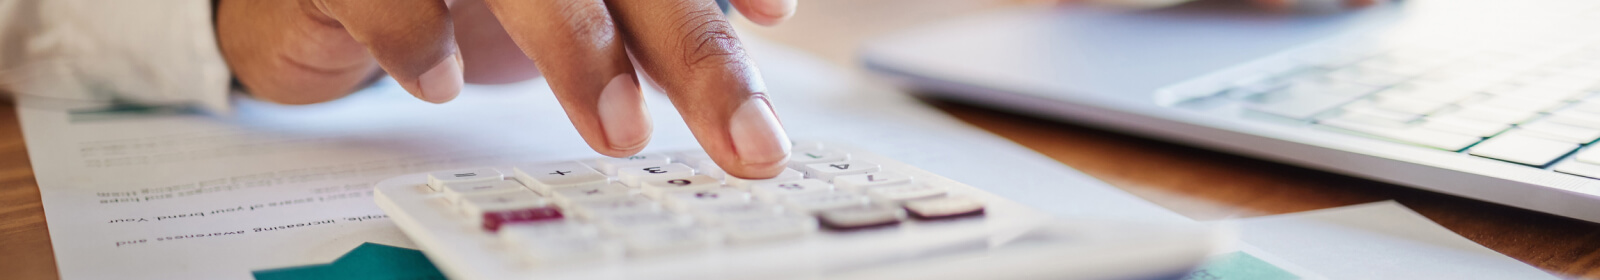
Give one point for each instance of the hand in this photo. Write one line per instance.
(1287, 5)
(310, 51)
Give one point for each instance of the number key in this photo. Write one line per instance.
(801, 158)
(660, 188)
(776, 191)
(828, 170)
(635, 175)
(610, 166)
(785, 176)
(684, 201)
(859, 182)
(595, 192)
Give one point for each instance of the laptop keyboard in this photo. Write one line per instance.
(1530, 101)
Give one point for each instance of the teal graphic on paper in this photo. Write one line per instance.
(1238, 265)
(368, 261)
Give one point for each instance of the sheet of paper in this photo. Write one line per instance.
(1380, 240)
(166, 193)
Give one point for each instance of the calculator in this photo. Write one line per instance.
(835, 212)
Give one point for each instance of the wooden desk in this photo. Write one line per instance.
(1198, 183)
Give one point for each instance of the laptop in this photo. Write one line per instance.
(1490, 100)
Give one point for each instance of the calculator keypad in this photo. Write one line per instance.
(653, 204)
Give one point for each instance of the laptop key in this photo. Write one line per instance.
(1493, 114)
(1521, 147)
(1562, 132)
(1415, 135)
(1406, 104)
(1464, 126)
(1579, 168)
(1577, 118)
(1591, 155)
(1303, 107)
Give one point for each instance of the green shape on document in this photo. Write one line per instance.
(368, 261)
(1238, 265)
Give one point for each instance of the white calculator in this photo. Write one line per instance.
(835, 213)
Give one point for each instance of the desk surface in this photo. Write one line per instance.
(1198, 183)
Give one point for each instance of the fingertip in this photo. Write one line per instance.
(758, 138)
(766, 12)
(623, 116)
(443, 82)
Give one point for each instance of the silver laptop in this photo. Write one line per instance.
(1490, 100)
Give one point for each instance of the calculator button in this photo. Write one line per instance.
(710, 168)
(776, 191)
(801, 158)
(546, 177)
(863, 181)
(768, 229)
(827, 171)
(669, 240)
(527, 233)
(944, 207)
(492, 221)
(593, 192)
(683, 201)
(812, 203)
(458, 190)
(805, 145)
(633, 176)
(662, 187)
(716, 214)
(568, 249)
(785, 176)
(860, 217)
(437, 180)
(628, 223)
(691, 158)
(475, 206)
(899, 193)
(597, 209)
(609, 166)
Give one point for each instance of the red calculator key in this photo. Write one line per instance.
(493, 220)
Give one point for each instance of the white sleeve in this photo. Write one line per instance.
(88, 53)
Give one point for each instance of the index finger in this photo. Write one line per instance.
(690, 49)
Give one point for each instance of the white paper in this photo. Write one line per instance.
(1380, 240)
(278, 186)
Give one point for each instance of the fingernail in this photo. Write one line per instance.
(775, 8)
(442, 82)
(757, 136)
(622, 114)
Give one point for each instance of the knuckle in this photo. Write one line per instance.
(588, 22)
(708, 41)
